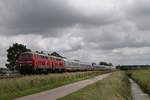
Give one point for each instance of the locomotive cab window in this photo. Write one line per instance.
(26, 55)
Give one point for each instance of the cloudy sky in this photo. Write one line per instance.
(117, 31)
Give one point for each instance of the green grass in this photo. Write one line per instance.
(13, 88)
(115, 87)
(142, 77)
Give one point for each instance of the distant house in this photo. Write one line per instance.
(52, 54)
(57, 55)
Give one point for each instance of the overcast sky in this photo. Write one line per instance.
(117, 31)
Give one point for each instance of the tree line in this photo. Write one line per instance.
(132, 67)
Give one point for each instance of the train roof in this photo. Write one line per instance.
(44, 54)
(77, 61)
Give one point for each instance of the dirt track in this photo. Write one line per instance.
(63, 90)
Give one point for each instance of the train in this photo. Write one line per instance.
(33, 62)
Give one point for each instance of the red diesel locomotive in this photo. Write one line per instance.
(32, 62)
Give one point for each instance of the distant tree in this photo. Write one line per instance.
(110, 64)
(103, 63)
(13, 53)
(93, 64)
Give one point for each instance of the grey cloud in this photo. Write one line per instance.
(55, 25)
(112, 36)
(46, 16)
(139, 12)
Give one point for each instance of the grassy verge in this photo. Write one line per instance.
(142, 77)
(115, 87)
(12, 88)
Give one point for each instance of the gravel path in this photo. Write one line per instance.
(63, 90)
(137, 93)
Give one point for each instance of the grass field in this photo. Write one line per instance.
(12, 88)
(115, 87)
(142, 77)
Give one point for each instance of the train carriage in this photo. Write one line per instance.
(71, 65)
(85, 66)
(74, 65)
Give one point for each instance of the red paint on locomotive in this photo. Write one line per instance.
(39, 61)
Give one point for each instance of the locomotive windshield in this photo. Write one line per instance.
(25, 56)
